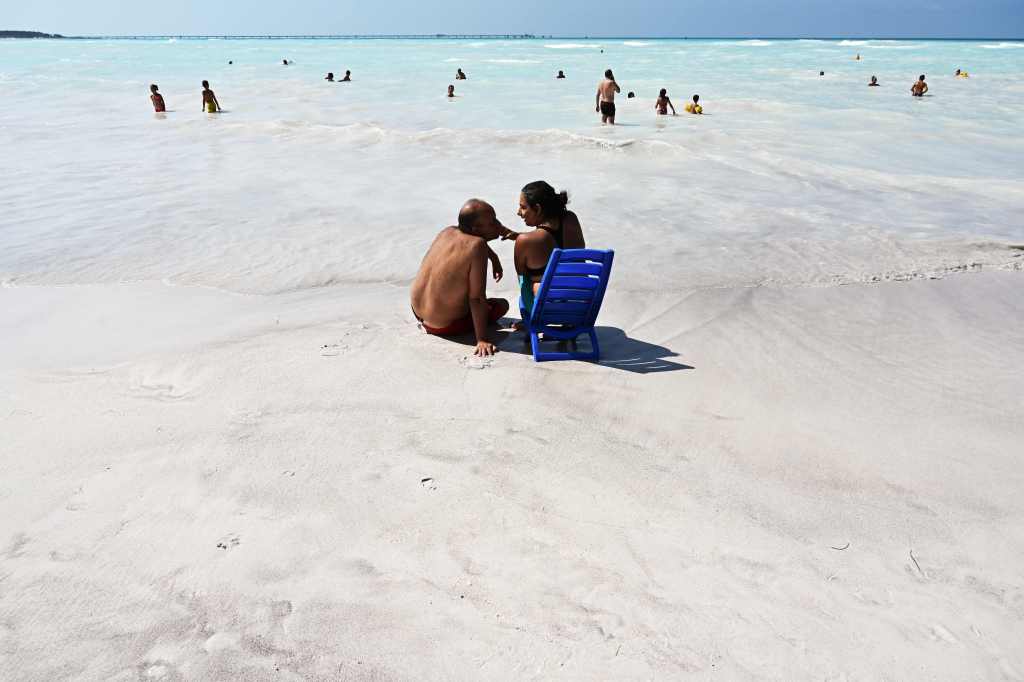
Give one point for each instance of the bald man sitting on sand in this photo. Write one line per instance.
(449, 294)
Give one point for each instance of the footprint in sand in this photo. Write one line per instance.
(159, 670)
(940, 632)
(428, 483)
(229, 541)
(475, 362)
(164, 383)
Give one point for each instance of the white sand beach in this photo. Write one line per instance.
(228, 453)
(734, 492)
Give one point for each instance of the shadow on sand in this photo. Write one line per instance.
(618, 351)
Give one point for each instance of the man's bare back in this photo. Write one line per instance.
(449, 293)
(606, 89)
(440, 292)
(919, 88)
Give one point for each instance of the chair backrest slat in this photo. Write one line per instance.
(572, 288)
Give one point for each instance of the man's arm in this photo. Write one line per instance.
(597, 99)
(617, 88)
(215, 102)
(495, 264)
(478, 307)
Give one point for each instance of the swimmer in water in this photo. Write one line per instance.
(919, 88)
(874, 82)
(329, 77)
(347, 78)
(459, 76)
(821, 73)
(605, 99)
(285, 62)
(561, 74)
(857, 58)
(157, 99)
(663, 104)
(693, 107)
(451, 91)
(210, 103)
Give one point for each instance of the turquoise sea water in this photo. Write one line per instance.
(790, 177)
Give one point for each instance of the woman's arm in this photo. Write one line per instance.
(519, 254)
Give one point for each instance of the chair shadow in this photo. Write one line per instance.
(618, 350)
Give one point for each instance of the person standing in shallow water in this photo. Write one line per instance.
(874, 82)
(347, 78)
(210, 103)
(605, 99)
(459, 76)
(561, 74)
(330, 77)
(663, 103)
(157, 99)
(451, 91)
(919, 88)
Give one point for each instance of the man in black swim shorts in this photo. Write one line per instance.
(605, 99)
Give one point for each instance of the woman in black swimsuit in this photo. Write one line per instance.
(542, 208)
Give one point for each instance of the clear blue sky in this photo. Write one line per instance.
(822, 18)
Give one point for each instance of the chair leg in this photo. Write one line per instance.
(535, 345)
(593, 342)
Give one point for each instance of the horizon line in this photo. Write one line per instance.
(492, 36)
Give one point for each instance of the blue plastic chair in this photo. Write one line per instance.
(567, 302)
